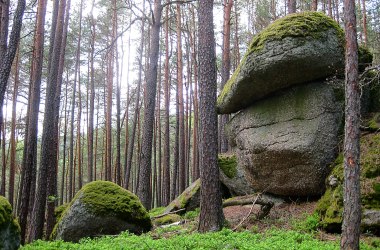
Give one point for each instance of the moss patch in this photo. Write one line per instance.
(167, 219)
(104, 198)
(365, 58)
(5, 212)
(303, 24)
(330, 206)
(183, 200)
(227, 163)
(300, 25)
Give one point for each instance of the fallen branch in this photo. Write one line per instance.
(173, 212)
(264, 211)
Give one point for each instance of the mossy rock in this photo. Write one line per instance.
(189, 199)
(58, 211)
(296, 49)
(365, 58)
(9, 227)
(166, 219)
(101, 208)
(227, 163)
(330, 206)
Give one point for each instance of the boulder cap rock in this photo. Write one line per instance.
(295, 49)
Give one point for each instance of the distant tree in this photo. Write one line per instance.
(292, 6)
(211, 216)
(351, 191)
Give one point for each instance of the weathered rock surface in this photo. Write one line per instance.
(286, 142)
(232, 175)
(9, 227)
(102, 208)
(330, 206)
(295, 49)
(188, 200)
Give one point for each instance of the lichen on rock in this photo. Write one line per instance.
(295, 49)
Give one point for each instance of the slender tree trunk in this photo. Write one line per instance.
(143, 188)
(226, 67)
(49, 134)
(211, 215)
(8, 51)
(12, 169)
(365, 33)
(351, 190)
(131, 143)
(314, 5)
(29, 163)
(181, 145)
(166, 160)
(292, 6)
(64, 151)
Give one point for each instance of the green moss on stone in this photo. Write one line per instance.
(330, 206)
(227, 163)
(303, 24)
(306, 24)
(167, 219)
(104, 198)
(156, 211)
(5, 211)
(365, 58)
(58, 211)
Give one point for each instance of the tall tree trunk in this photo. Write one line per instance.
(8, 51)
(314, 6)
(211, 216)
(12, 168)
(143, 188)
(181, 145)
(292, 6)
(64, 152)
(49, 133)
(226, 67)
(351, 190)
(365, 33)
(110, 74)
(166, 160)
(131, 143)
(29, 162)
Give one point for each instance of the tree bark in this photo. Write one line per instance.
(181, 145)
(292, 6)
(29, 163)
(49, 133)
(226, 67)
(351, 189)
(211, 215)
(12, 169)
(143, 188)
(166, 160)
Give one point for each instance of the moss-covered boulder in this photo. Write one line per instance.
(9, 227)
(232, 175)
(189, 199)
(330, 206)
(285, 143)
(295, 49)
(101, 208)
(365, 58)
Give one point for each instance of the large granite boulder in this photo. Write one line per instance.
(285, 142)
(101, 208)
(330, 206)
(9, 227)
(295, 49)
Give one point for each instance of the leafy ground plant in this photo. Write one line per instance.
(225, 239)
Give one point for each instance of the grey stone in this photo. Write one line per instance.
(371, 220)
(284, 143)
(282, 63)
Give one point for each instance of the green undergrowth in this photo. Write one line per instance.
(225, 239)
